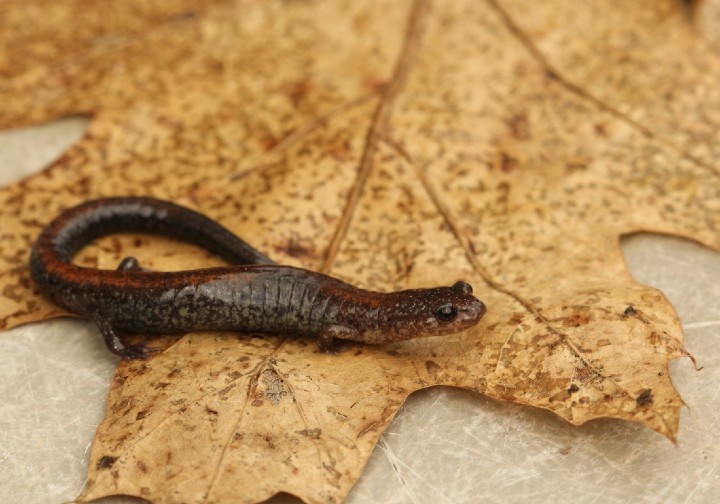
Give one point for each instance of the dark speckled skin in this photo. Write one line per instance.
(257, 295)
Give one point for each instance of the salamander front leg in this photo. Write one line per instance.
(332, 333)
(116, 346)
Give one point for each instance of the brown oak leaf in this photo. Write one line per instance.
(392, 144)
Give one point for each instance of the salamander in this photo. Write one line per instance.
(254, 295)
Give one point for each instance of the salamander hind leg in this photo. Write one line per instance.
(327, 341)
(115, 344)
(130, 264)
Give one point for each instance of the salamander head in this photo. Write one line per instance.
(432, 312)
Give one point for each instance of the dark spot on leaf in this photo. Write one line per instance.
(117, 407)
(645, 398)
(507, 163)
(311, 433)
(182, 16)
(375, 84)
(142, 414)
(223, 394)
(105, 462)
(142, 369)
(269, 142)
(630, 311)
(519, 126)
(431, 367)
(296, 247)
(579, 317)
(298, 90)
(573, 388)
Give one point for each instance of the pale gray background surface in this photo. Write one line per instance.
(444, 446)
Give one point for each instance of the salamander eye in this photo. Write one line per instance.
(446, 313)
(463, 287)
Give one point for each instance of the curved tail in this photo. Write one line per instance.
(78, 226)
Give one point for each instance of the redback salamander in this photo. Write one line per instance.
(256, 295)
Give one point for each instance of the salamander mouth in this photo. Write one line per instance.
(471, 314)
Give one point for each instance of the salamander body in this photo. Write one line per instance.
(255, 295)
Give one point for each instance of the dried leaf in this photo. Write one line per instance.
(393, 144)
(706, 18)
